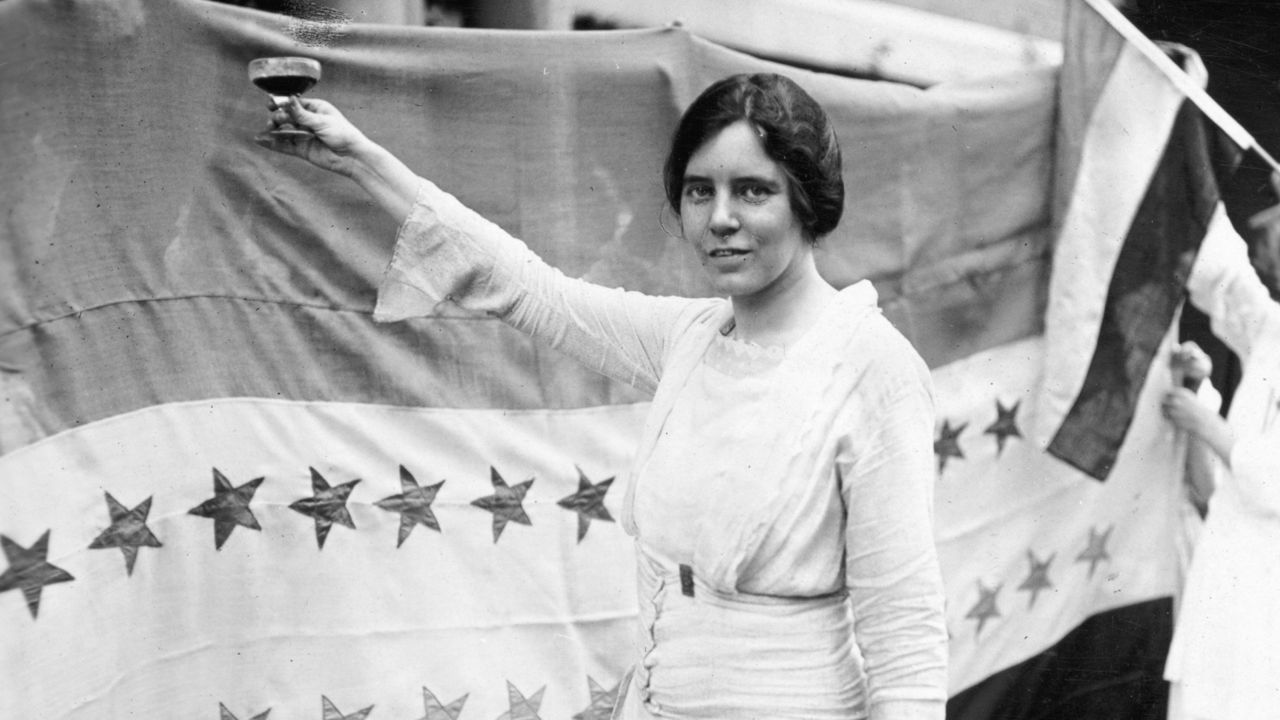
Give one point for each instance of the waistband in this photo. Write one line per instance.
(654, 570)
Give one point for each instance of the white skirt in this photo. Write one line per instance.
(1225, 655)
(716, 655)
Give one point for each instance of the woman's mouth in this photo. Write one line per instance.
(727, 253)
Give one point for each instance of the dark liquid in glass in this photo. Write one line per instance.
(285, 85)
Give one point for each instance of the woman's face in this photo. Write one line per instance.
(735, 208)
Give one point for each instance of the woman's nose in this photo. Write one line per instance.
(724, 221)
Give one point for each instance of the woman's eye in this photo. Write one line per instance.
(697, 191)
(755, 193)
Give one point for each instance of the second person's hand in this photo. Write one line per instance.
(1190, 364)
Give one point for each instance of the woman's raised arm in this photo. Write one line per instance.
(445, 252)
(338, 146)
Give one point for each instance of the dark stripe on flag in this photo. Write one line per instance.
(1145, 291)
(1110, 667)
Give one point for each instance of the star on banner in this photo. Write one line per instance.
(522, 708)
(331, 712)
(947, 445)
(437, 710)
(985, 608)
(128, 531)
(601, 707)
(228, 507)
(505, 503)
(1005, 426)
(1096, 552)
(588, 502)
(29, 570)
(327, 505)
(225, 714)
(413, 503)
(1038, 578)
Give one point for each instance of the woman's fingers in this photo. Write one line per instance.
(279, 117)
(316, 105)
(298, 114)
(1174, 401)
(1192, 361)
(311, 112)
(1184, 410)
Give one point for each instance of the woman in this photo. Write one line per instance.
(781, 494)
(1224, 661)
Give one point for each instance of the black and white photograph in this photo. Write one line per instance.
(639, 360)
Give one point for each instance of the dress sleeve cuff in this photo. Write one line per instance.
(398, 296)
(442, 250)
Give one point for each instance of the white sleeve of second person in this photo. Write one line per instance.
(1224, 285)
(447, 253)
(1212, 399)
(1255, 468)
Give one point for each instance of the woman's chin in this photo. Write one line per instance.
(734, 287)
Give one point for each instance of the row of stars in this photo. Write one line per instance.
(1037, 579)
(947, 444)
(29, 569)
(520, 706)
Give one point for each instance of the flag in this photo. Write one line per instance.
(1144, 162)
(1146, 158)
(226, 493)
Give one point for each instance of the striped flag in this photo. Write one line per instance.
(1070, 614)
(1146, 156)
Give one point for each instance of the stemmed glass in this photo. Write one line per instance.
(281, 78)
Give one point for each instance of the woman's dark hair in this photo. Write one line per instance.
(794, 130)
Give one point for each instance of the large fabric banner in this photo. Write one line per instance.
(225, 492)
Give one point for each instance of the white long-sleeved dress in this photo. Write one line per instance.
(781, 501)
(1225, 656)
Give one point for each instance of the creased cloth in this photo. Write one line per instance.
(852, 425)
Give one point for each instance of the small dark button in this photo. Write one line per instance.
(686, 580)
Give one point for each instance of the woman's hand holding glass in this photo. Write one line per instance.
(333, 143)
(336, 145)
